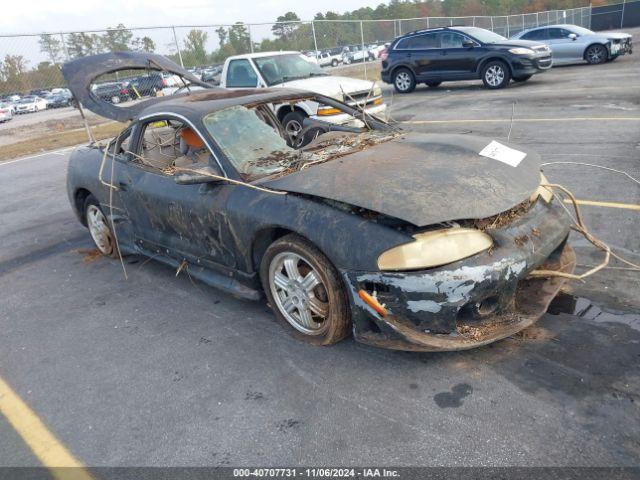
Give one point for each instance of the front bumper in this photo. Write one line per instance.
(529, 65)
(622, 47)
(471, 302)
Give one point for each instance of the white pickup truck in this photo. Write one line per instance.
(293, 70)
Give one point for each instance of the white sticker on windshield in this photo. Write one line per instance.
(503, 154)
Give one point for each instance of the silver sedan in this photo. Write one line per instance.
(574, 44)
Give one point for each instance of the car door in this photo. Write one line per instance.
(183, 222)
(422, 53)
(563, 47)
(458, 57)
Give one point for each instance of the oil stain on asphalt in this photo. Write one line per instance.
(454, 398)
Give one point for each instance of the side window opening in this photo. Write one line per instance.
(451, 40)
(241, 74)
(167, 144)
(423, 42)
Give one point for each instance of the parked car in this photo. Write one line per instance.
(146, 85)
(6, 112)
(574, 44)
(410, 241)
(293, 70)
(445, 54)
(58, 100)
(113, 92)
(328, 59)
(30, 104)
(356, 53)
(212, 75)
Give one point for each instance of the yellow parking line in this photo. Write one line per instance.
(521, 120)
(40, 440)
(595, 203)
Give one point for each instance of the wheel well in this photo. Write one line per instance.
(79, 198)
(286, 109)
(584, 54)
(261, 242)
(506, 62)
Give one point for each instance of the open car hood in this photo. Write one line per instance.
(423, 179)
(82, 72)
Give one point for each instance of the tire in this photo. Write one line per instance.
(495, 74)
(404, 81)
(522, 79)
(433, 84)
(115, 99)
(327, 319)
(99, 228)
(334, 63)
(596, 54)
(292, 123)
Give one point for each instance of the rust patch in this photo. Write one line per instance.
(89, 255)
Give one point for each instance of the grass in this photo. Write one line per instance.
(357, 71)
(54, 141)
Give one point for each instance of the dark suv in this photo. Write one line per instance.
(461, 53)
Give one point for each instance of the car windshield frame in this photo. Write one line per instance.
(484, 36)
(279, 60)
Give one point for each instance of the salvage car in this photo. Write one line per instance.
(409, 241)
(575, 44)
(437, 55)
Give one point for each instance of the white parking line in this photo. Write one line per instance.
(39, 155)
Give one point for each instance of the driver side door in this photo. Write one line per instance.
(183, 222)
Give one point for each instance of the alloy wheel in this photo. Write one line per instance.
(293, 128)
(99, 230)
(403, 81)
(494, 75)
(595, 54)
(299, 293)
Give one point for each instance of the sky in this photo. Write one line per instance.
(70, 15)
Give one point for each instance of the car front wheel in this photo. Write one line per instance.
(305, 291)
(596, 54)
(404, 81)
(496, 74)
(99, 227)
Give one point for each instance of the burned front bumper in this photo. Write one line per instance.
(471, 302)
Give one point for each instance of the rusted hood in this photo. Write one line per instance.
(423, 179)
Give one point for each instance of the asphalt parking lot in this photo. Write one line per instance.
(159, 370)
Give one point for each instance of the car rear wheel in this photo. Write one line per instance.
(99, 227)
(433, 84)
(496, 74)
(404, 81)
(522, 79)
(596, 54)
(305, 291)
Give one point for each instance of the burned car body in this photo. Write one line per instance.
(411, 241)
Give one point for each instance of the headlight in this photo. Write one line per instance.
(435, 248)
(377, 91)
(327, 110)
(521, 51)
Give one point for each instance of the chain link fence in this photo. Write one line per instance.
(30, 64)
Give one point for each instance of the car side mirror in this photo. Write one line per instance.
(198, 174)
(573, 36)
(468, 44)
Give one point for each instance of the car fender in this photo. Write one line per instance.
(491, 56)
